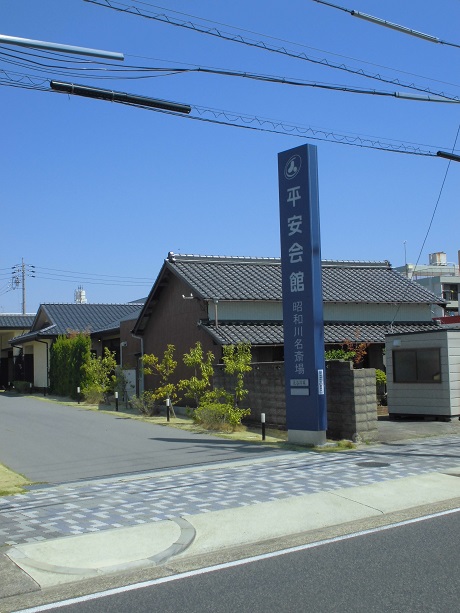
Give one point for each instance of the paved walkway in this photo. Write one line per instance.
(95, 506)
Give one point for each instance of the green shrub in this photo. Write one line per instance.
(219, 416)
(93, 393)
(21, 386)
(339, 354)
(380, 376)
(147, 403)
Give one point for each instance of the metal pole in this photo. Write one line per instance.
(40, 44)
(168, 410)
(116, 401)
(262, 420)
(78, 395)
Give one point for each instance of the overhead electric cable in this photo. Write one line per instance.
(251, 122)
(105, 70)
(90, 274)
(389, 24)
(38, 83)
(163, 18)
(430, 223)
(273, 37)
(240, 120)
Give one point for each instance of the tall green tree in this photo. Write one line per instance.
(68, 356)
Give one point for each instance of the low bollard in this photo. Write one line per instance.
(262, 420)
(168, 410)
(116, 401)
(78, 395)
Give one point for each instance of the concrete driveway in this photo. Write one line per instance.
(54, 443)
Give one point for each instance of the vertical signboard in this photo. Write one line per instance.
(306, 414)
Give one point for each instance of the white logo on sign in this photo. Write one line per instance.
(292, 167)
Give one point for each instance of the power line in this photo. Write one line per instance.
(163, 18)
(389, 24)
(37, 82)
(429, 225)
(90, 274)
(283, 40)
(260, 124)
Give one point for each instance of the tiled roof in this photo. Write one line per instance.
(271, 333)
(15, 321)
(232, 278)
(79, 317)
(91, 317)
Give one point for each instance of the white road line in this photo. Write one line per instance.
(217, 567)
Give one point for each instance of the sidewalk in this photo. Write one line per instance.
(68, 533)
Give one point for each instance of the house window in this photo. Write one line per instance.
(417, 366)
(450, 292)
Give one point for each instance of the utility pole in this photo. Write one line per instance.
(20, 272)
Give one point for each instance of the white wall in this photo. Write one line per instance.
(40, 364)
(441, 399)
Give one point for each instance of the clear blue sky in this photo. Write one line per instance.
(104, 189)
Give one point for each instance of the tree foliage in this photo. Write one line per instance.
(68, 356)
(200, 382)
(237, 361)
(163, 369)
(218, 409)
(100, 376)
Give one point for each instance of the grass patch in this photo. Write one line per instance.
(11, 482)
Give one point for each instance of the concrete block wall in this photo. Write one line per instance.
(351, 401)
(351, 397)
(265, 383)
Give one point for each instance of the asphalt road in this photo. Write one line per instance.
(410, 568)
(54, 443)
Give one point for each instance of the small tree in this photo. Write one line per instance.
(237, 361)
(218, 409)
(100, 378)
(200, 381)
(164, 369)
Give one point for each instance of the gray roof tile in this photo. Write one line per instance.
(271, 333)
(232, 278)
(94, 318)
(91, 317)
(15, 321)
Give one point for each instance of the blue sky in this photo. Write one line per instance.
(105, 190)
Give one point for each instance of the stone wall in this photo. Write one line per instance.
(351, 397)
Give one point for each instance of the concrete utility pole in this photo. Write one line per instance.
(20, 272)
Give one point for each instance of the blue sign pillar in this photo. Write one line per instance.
(304, 367)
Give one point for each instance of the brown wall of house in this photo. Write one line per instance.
(132, 350)
(174, 321)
